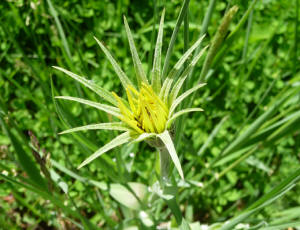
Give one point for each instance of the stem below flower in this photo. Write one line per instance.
(164, 165)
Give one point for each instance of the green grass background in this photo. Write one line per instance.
(258, 72)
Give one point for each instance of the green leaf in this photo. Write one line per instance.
(183, 96)
(179, 20)
(91, 85)
(167, 90)
(164, 86)
(100, 185)
(131, 199)
(156, 71)
(167, 140)
(60, 29)
(123, 78)
(211, 136)
(254, 127)
(25, 161)
(143, 136)
(181, 112)
(140, 74)
(108, 126)
(106, 108)
(184, 75)
(277, 192)
(217, 41)
(119, 140)
(184, 57)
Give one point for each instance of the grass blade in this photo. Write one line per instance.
(24, 159)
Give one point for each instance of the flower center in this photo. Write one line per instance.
(146, 111)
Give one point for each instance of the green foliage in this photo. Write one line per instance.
(239, 158)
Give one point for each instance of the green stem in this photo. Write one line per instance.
(164, 165)
(168, 188)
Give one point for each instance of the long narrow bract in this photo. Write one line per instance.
(156, 70)
(117, 141)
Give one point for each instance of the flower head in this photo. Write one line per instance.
(149, 110)
(147, 113)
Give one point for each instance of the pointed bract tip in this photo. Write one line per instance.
(125, 19)
(80, 166)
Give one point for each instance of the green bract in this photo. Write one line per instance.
(151, 107)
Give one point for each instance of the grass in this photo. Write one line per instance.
(240, 157)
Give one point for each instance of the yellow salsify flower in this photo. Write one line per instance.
(149, 111)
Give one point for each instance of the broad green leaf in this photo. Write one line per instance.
(167, 140)
(183, 96)
(106, 108)
(108, 126)
(156, 71)
(123, 78)
(181, 112)
(119, 140)
(91, 85)
(140, 74)
(184, 75)
(129, 198)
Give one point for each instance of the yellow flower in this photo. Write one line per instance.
(150, 109)
(147, 113)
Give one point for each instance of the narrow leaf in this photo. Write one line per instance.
(123, 78)
(156, 71)
(108, 126)
(140, 74)
(24, 159)
(119, 140)
(184, 75)
(179, 20)
(181, 112)
(184, 57)
(212, 136)
(167, 140)
(143, 136)
(106, 108)
(183, 96)
(91, 85)
(167, 90)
